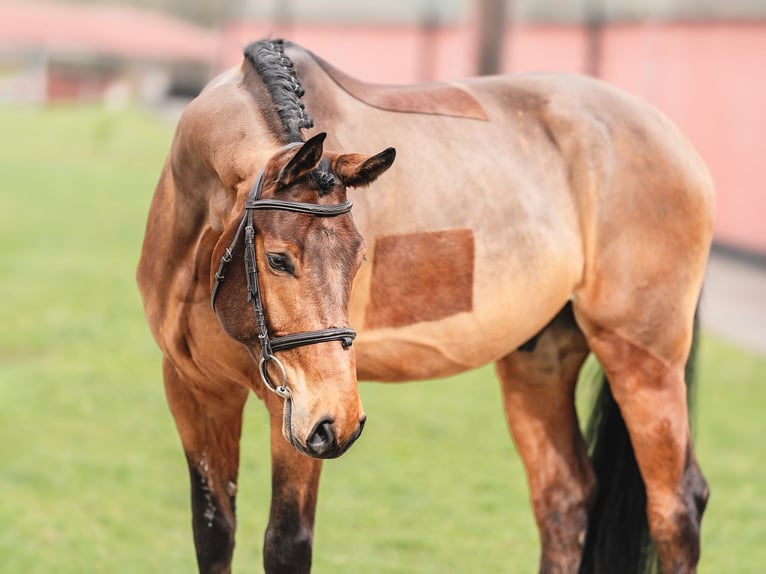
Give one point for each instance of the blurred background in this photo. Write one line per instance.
(92, 477)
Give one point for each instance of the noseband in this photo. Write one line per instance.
(271, 345)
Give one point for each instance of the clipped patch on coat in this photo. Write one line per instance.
(418, 277)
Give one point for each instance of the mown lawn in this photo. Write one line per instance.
(92, 478)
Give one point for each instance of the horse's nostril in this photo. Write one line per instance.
(322, 439)
(323, 434)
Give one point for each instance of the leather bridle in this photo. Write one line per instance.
(271, 345)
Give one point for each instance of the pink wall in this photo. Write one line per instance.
(710, 78)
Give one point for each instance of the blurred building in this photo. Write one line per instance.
(61, 52)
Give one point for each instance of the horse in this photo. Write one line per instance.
(525, 220)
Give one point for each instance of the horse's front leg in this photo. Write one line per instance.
(295, 481)
(210, 425)
(538, 392)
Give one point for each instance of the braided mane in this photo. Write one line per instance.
(278, 74)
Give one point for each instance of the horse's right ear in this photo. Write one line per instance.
(304, 160)
(357, 170)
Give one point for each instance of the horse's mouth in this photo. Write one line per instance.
(331, 450)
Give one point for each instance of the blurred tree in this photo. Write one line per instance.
(428, 41)
(594, 29)
(491, 34)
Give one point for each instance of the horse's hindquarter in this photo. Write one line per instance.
(645, 202)
(473, 235)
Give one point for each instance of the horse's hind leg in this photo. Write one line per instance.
(639, 322)
(538, 391)
(647, 382)
(210, 426)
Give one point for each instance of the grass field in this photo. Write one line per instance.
(92, 477)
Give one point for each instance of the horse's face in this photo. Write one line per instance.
(306, 265)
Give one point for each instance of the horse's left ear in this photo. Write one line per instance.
(357, 170)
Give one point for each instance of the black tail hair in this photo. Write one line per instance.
(618, 539)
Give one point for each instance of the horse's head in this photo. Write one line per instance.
(306, 251)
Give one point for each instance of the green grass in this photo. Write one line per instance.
(92, 478)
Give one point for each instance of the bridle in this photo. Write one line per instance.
(271, 345)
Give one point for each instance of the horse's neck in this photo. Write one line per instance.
(218, 149)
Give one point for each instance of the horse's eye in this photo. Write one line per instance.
(280, 262)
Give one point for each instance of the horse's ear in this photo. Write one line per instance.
(305, 159)
(357, 170)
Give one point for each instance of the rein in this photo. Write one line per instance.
(271, 345)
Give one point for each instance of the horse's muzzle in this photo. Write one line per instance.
(323, 441)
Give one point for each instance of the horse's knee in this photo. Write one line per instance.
(290, 532)
(287, 548)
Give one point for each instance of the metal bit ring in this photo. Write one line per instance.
(280, 390)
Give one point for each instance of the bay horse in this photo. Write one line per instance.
(528, 221)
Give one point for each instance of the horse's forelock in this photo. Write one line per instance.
(323, 177)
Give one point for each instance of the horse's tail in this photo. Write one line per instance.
(618, 538)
